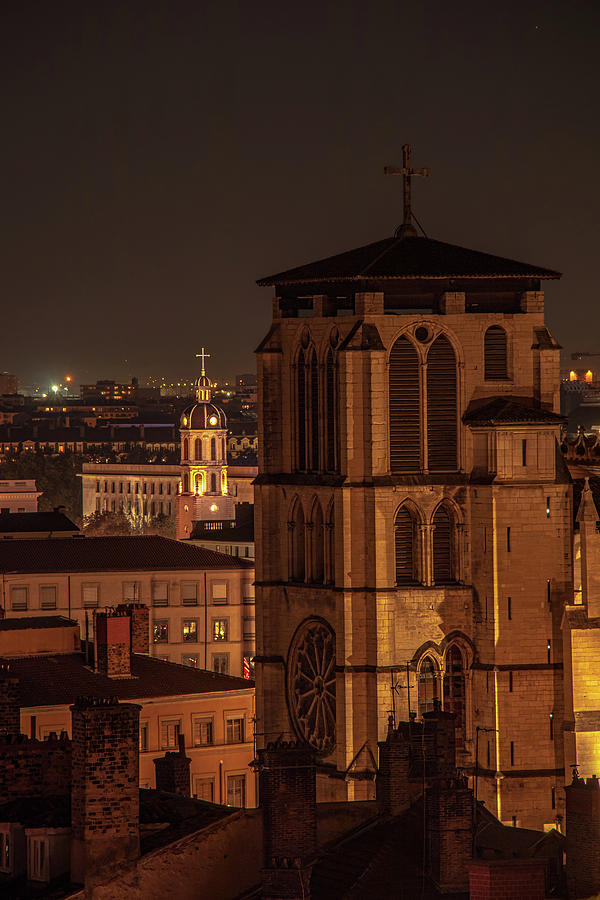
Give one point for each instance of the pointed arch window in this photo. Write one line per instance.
(330, 546)
(314, 412)
(428, 685)
(405, 408)
(318, 545)
(442, 425)
(330, 414)
(198, 449)
(443, 535)
(454, 689)
(297, 546)
(495, 355)
(301, 412)
(404, 539)
(213, 448)
(186, 449)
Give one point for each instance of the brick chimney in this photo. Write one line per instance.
(392, 786)
(440, 742)
(105, 789)
(289, 801)
(448, 811)
(140, 626)
(173, 771)
(10, 712)
(583, 837)
(510, 879)
(113, 642)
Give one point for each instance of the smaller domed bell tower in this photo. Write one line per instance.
(203, 495)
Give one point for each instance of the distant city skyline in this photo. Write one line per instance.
(158, 161)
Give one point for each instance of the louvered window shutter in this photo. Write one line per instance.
(405, 413)
(494, 351)
(331, 412)
(301, 405)
(441, 407)
(442, 547)
(314, 412)
(404, 533)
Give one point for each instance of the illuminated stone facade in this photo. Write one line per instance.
(204, 493)
(411, 502)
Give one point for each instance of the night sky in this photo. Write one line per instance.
(157, 158)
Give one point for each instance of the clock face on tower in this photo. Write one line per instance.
(311, 684)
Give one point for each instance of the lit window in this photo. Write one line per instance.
(191, 661)
(190, 630)
(143, 736)
(220, 629)
(161, 632)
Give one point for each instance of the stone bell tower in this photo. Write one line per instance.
(203, 495)
(413, 516)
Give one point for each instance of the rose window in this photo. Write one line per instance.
(311, 684)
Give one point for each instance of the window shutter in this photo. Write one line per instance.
(404, 537)
(301, 405)
(405, 429)
(442, 547)
(441, 407)
(494, 351)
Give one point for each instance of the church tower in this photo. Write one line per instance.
(413, 515)
(203, 495)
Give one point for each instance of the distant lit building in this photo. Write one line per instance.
(204, 493)
(142, 491)
(19, 496)
(9, 384)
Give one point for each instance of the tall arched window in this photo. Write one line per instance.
(213, 448)
(405, 408)
(213, 483)
(404, 538)
(318, 545)
(443, 563)
(330, 545)
(186, 483)
(330, 414)
(198, 449)
(314, 412)
(223, 449)
(301, 412)
(428, 685)
(298, 568)
(495, 354)
(454, 689)
(199, 484)
(186, 449)
(441, 406)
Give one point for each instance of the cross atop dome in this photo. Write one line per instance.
(204, 384)
(203, 355)
(407, 228)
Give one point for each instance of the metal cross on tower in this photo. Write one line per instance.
(203, 355)
(407, 173)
